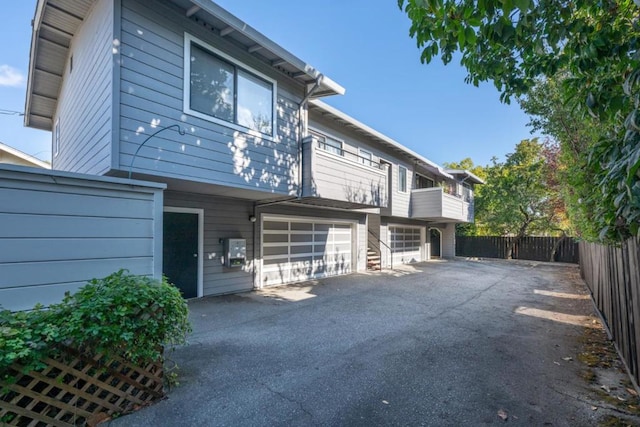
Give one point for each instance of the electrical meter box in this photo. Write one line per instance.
(235, 252)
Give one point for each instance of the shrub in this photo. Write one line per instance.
(122, 314)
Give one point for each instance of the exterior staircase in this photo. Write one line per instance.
(373, 260)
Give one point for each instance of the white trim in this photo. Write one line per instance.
(56, 138)
(200, 213)
(420, 228)
(353, 232)
(406, 180)
(186, 95)
(24, 156)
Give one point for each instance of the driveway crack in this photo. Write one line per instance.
(285, 397)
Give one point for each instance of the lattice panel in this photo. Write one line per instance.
(77, 389)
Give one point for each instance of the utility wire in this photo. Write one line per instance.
(11, 113)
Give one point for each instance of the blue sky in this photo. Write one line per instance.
(362, 44)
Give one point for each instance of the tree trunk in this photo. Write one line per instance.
(521, 233)
(554, 250)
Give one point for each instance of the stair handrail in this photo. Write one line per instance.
(387, 246)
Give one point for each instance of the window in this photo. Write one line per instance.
(365, 157)
(423, 182)
(402, 179)
(56, 138)
(218, 89)
(328, 143)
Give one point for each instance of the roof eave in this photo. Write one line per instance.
(469, 175)
(327, 87)
(35, 23)
(382, 137)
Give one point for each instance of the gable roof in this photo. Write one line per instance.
(359, 127)
(56, 22)
(17, 157)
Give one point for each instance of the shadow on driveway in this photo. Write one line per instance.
(444, 343)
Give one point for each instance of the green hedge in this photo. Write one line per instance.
(122, 314)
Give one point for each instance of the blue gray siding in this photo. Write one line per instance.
(397, 203)
(59, 230)
(151, 95)
(223, 218)
(85, 103)
(436, 205)
(331, 176)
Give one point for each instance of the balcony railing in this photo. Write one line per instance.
(348, 155)
(335, 177)
(436, 204)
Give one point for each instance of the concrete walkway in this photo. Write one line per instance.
(436, 344)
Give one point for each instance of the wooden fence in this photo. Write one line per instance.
(529, 248)
(613, 276)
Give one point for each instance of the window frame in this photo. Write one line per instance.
(56, 138)
(319, 134)
(362, 159)
(186, 95)
(419, 176)
(400, 189)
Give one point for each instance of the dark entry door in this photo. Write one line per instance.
(180, 251)
(434, 236)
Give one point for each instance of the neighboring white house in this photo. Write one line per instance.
(266, 184)
(14, 156)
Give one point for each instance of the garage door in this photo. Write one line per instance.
(405, 243)
(295, 250)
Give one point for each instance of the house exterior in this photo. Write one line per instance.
(266, 183)
(12, 156)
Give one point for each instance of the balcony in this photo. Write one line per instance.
(334, 177)
(435, 204)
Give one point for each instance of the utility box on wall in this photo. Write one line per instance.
(235, 252)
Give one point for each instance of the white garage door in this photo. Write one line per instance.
(294, 250)
(405, 244)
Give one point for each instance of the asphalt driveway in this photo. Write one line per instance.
(437, 344)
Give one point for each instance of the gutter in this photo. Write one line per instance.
(302, 130)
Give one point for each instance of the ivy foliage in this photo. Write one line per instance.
(593, 45)
(122, 314)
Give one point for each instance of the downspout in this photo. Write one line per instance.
(301, 128)
(303, 103)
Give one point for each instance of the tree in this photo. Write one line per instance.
(573, 134)
(515, 43)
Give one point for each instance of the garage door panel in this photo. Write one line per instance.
(304, 238)
(405, 243)
(275, 225)
(275, 250)
(301, 226)
(305, 249)
(275, 238)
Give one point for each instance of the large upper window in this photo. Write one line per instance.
(219, 89)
